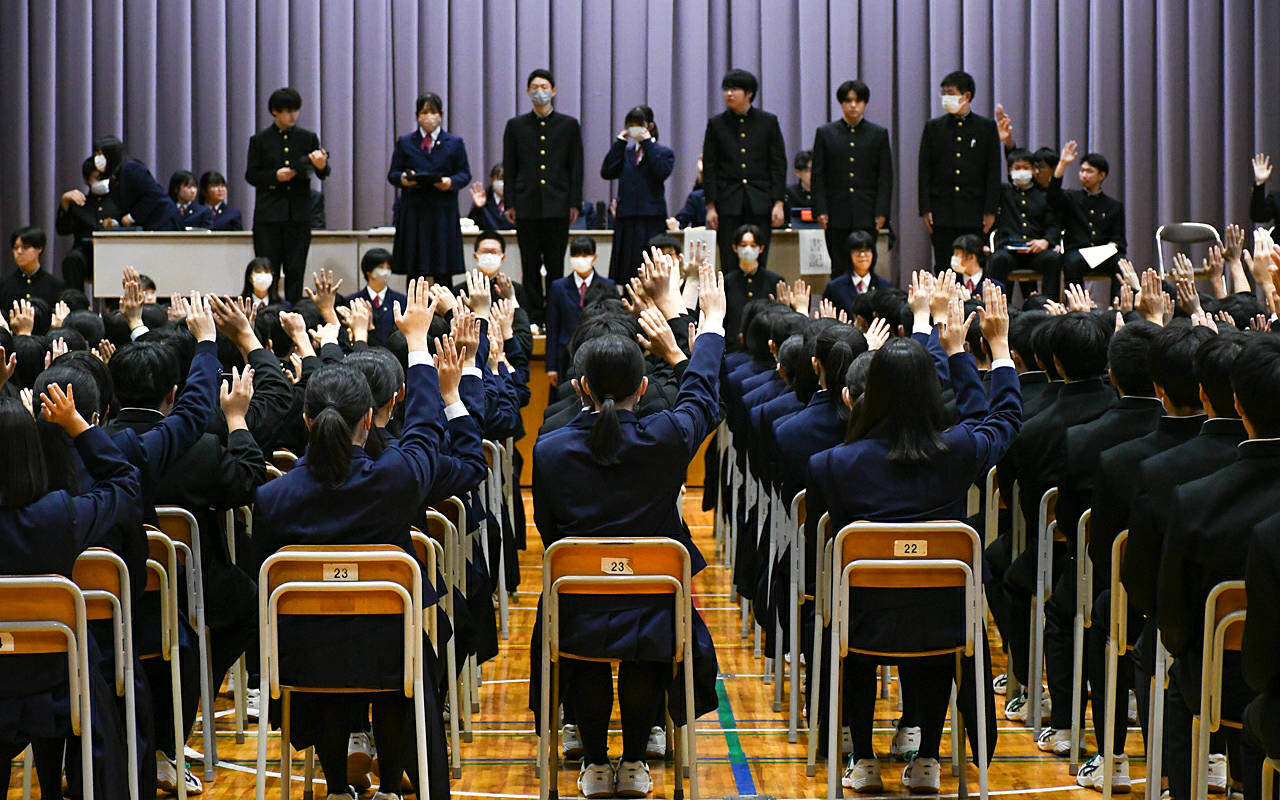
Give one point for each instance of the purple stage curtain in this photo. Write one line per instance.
(1176, 93)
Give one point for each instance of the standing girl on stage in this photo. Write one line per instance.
(641, 166)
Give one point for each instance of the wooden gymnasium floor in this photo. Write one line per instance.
(742, 749)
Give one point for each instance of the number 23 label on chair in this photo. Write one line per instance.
(910, 548)
(616, 566)
(342, 572)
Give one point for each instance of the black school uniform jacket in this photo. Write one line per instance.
(269, 150)
(1087, 219)
(1262, 627)
(959, 171)
(852, 174)
(744, 163)
(542, 161)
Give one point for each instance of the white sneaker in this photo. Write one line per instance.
(1217, 775)
(1090, 775)
(657, 745)
(1054, 740)
(1016, 709)
(167, 777)
(632, 779)
(570, 743)
(359, 760)
(905, 743)
(595, 780)
(350, 794)
(252, 703)
(1133, 708)
(863, 776)
(385, 796)
(1000, 683)
(922, 776)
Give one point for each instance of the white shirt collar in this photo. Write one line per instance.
(864, 281)
(975, 277)
(382, 295)
(579, 281)
(435, 135)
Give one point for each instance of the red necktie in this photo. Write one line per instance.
(582, 293)
(637, 156)
(423, 144)
(968, 284)
(860, 287)
(377, 302)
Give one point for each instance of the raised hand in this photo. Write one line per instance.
(711, 300)
(22, 319)
(415, 319)
(1078, 299)
(1004, 126)
(782, 293)
(1068, 155)
(465, 330)
(446, 303)
(1129, 275)
(231, 321)
(877, 333)
(944, 289)
(7, 367)
(174, 313)
(800, 293)
(826, 309)
(1182, 267)
(1225, 320)
(104, 351)
(57, 349)
(60, 409)
(920, 292)
(478, 197)
(450, 360)
(1150, 301)
(324, 334)
(1261, 168)
(235, 396)
(60, 312)
(497, 356)
(296, 328)
(505, 288)
(199, 316)
(131, 299)
(358, 317)
(294, 369)
(954, 327)
(1188, 297)
(504, 312)
(1233, 242)
(1203, 320)
(657, 338)
(994, 320)
(478, 297)
(325, 294)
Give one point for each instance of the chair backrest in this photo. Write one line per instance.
(273, 472)
(1183, 233)
(885, 541)
(1048, 508)
(615, 566)
(1119, 597)
(46, 614)
(102, 572)
(283, 459)
(491, 455)
(799, 509)
(162, 576)
(991, 511)
(1084, 567)
(454, 511)
(1224, 617)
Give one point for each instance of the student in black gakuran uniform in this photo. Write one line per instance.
(282, 158)
(609, 474)
(1089, 217)
(960, 166)
(542, 158)
(744, 167)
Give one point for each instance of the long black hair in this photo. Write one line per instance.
(61, 466)
(25, 477)
(385, 377)
(835, 347)
(613, 367)
(337, 399)
(900, 370)
(254, 265)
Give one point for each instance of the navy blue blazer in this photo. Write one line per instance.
(196, 215)
(447, 158)
(811, 430)
(489, 217)
(841, 293)
(135, 192)
(384, 317)
(226, 218)
(889, 491)
(562, 316)
(693, 214)
(640, 186)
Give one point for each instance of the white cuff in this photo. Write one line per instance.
(421, 357)
(719, 329)
(455, 410)
(137, 332)
(926, 329)
(473, 372)
(1002, 362)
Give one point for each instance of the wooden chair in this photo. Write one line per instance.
(1083, 620)
(336, 579)
(455, 511)
(432, 555)
(239, 683)
(274, 472)
(439, 528)
(163, 578)
(47, 614)
(103, 579)
(1224, 616)
(991, 514)
(181, 527)
(799, 514)
(640, 566)
(1270, 768)
(1048, 536)
(283, 459)
(492, 489)
(822, 618)
(908, 555)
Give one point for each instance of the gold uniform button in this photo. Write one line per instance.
(957, 138)
(542, 122)
(743, 134)
(850, 159)
(957, 155)
(960, 123)
(286, 149)
(542, 138)
(957, 172)
(957, 188)
(744, 166)
(543, 180)
(542, 152)
(542, 166)
(744, 149)
(850, 188)
(1091, 211)
(851, 175)
(1024, 202)
(744, 180)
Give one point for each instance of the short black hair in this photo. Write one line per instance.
(1045, 155)
(1212, 364)
(803, 160)
(1019, 154)
(1042, 346)
(961, 81)
(179, 179)
(31, 236)
(1255, 379)
(1172, 358)
(429, 100)
(494, 235)
(540, 73)
(1098, 161)
(146, 283)
(860, 91)
(75, 341)
(373, 259)
(860, 240)
(663, 241)
(284, 99)
(75, 299)
(582, 246)
(740, 79)
(89, 325)
(743, 230)
(1020, 330)
(208, 179)
(1079, 342)
(143, 372)
(970, 243)
(1127, 357)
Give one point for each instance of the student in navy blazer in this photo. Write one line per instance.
(641, 166)
(182, 191)
(326, 499)
(488, 209)
(429, 166)
(213, 193)
(842, 289)
(610, 474)
(134, 189)
(566, 297)
(966, 261)
(375, 265)
(922, 473)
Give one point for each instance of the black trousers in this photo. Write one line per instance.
(943, 239)
(542, 244)
(926, 691)
(1253, 750)
(1048, 263)
(1074, 268)
(838, 248)
(587, 692)
(286, 244)
(729, 224)
(393, 730)
(1096, 662)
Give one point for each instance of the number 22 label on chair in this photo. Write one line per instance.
(910, 548)
(616, 566)
(342, 572)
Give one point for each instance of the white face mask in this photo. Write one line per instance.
(99, 187)
(262, 280)
(951, 103)
(748, 254)
(100, 162)
(497, 186)
(1020, 177)
(540, 97)
(582, 264)
(381, 273)
(489, 262)
(957, 263)
(636, 131)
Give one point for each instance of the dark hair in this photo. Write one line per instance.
(1042, 346)
(1098, 161)
(61, 465)
(495, 171)
(613, 367)
(663, 241)
(179, 179)
(1127, 357)
(1212, 364)
(269, 330)
(836, 347)
(902, 368)
(855, 380)
(863, 306)
(740, 79)
(145, 282)
(494, 235)
(540, 73)
(113, 150)
(1171, 359)
(430, 101)
(1255, 379)
(286, 99)
(75, 299)
(30, 351)
(805, 381)
(602, 324)
(756, 335)
(860, 91)
(1019, 154)
(891, 306)
(74, 339)
(144, 372)
(92, 366)
(970, 243)
(87, 168)
(337, 398)
(1020, 328)
(209, 179)
(973, 336)
(961, 81)
(582, 246)
(87, 324)
(43, 316)
(751, 309)
(643, 115)
(31, 236)
(374, 258)
(1080, 342)
(860, 240)
(255, 265)
(1045, 155)
(803, 160)
(385, 376)
(599, 292)
(792, 358)
(1242, 308)
(25, 478)
(743, 230)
